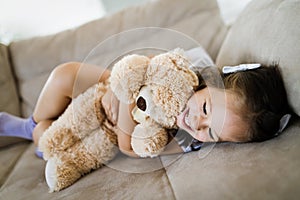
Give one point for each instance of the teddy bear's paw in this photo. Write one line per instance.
(65, 168)
(149, 141)
(50, 174)
(60, 175)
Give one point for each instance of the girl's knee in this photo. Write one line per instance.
(40, 129)
(64, 76)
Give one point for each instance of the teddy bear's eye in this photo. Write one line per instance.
(141, 103)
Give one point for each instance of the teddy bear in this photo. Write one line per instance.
(82, 139)
(160, 90)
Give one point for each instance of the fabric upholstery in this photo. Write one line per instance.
(104, 183)
(267, 170)
(266, 32)
(9, 156)
(9, 101)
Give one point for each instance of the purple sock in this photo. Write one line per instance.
(15, 126)
(38, 153)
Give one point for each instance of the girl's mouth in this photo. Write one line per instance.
(185, 120)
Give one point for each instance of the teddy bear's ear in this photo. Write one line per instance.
(127, 77)
(176, 61)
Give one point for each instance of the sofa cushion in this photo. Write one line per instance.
(9, 156)
(266, 32)
(267, 170)
(9, 100)
(33, 59)
(27, 182)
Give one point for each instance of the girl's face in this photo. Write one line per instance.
(211, 115)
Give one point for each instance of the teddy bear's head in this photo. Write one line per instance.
(167, 85)
(160, 86)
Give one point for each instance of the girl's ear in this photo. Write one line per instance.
(128, 76)
(268, 125)
(269, 121)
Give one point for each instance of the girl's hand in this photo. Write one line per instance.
(110, 104)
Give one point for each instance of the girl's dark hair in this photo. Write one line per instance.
(262, 94)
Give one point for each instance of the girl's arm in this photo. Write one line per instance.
(125, 126)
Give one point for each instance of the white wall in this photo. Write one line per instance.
(27, 18)
(112, 6)
(230, 9)
(21, 19)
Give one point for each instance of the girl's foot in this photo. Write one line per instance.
(13, 126)
(38, 153)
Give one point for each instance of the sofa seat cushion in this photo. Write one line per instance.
(26, 181)
(9, 157)
(267, 32)
(267, 170)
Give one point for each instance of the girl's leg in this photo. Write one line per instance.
(54, 98)
(65, 82)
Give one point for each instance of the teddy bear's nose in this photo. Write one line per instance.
(141, 103)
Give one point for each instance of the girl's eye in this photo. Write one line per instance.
(204, 108)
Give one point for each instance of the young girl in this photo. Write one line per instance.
(255, 104)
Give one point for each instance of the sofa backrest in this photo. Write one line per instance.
(266, 32)
(33, 59)
(9, 101)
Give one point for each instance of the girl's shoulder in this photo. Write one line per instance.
(185, 140)
(199, 58)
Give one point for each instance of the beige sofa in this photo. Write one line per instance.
(267, 31)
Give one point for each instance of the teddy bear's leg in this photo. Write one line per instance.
(92, 152)
(60, 174)
(62, 133)
(87, 111)
(78, 120)
(55, 140)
